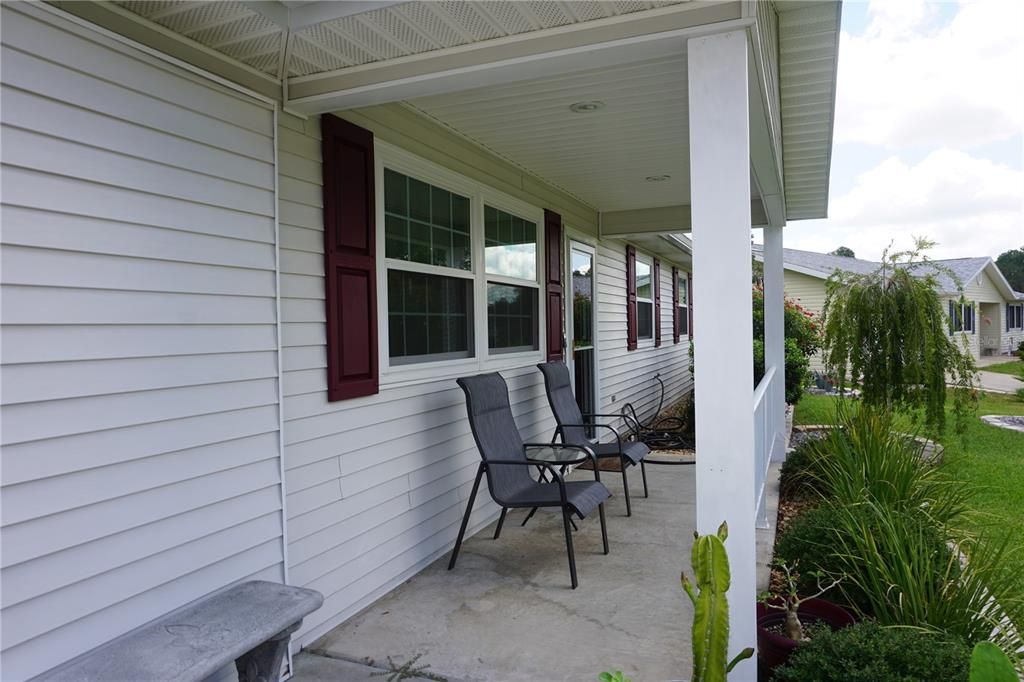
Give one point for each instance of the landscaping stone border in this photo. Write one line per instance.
(1013, 423)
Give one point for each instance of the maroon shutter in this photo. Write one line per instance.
(555, 292)
(656, 276)
(689, 304)
(349, 259)
(630, 298)
(675, 305)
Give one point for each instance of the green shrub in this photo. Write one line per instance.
(1020, 350)
(795, 477)
(865, 458)
(813, 539)
(867, 652)
(803, 339)
(891, 558)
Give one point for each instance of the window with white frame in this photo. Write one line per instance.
(961, 316)
(460, 271)
(684, 304)
(1014, 316)
(644, 300)
(510, 260)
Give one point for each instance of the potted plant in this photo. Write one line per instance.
(783, 619)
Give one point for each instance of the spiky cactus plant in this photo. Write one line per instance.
(711, 608)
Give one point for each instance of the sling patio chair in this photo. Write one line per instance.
(572, 426)
(508, 463)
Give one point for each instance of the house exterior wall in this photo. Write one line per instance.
(377, 485)
(140, 463)
(809, 292)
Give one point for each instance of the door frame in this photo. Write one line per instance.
(589, 244)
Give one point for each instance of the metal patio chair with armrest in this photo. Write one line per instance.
(572, 426)
(506, 461)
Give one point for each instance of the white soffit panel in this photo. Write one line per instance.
(808, 52)
(243, 33)
(603, 157)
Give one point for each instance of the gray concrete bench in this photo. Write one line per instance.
(249, 624)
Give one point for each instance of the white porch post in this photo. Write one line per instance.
(723, 329)
(774, 324)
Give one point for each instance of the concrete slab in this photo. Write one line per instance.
(507, 612)
(313, 668)
(999, 383)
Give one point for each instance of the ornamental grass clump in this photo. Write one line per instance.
(865, 458)
(969, 590)
(888, 333)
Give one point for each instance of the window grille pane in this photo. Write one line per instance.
(425, 224)
(510, 245)
(511, 318)
(429, 316)
(643, 280)
(644, 316)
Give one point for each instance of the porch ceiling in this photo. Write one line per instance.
(326, 36)
(602, 157)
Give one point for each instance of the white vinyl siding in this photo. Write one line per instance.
(628, 376)
(376, 485)
(139, 369)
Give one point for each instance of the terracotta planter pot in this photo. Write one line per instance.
(775, 649)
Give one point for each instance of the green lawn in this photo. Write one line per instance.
(1013, 367)
(992, 461)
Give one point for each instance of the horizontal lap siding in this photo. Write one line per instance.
(628, 376)
(808, 292)
(139, 363)
(376, 485)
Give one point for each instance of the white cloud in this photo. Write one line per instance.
(970, 206)
(907, 81)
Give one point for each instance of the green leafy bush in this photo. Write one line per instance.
(803, 339)
(867, 652)
(796, 481)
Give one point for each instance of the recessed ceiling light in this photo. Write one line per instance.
(658, 178)
(586, 107)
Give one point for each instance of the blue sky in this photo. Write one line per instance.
(929, 134)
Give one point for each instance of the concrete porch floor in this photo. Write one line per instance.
(507, 611)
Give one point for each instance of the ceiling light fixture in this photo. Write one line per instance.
(586, 107)
(658, 178)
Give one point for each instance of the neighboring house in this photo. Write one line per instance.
(248, 247)
(991, 318)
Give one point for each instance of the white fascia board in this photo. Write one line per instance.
(632, 38)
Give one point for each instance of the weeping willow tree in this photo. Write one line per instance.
(888, 332)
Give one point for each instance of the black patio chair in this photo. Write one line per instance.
(572, 426)
(505, 459)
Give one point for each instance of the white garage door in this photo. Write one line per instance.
(140, 464)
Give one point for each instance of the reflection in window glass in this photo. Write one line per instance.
(582, 300)
(511, 318)
(643, 280)
(428, 315)
(425, 224)
(510, 245)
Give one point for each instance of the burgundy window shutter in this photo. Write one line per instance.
(349, 259)
(675, 305)
(555, 291)
(689, 304)
(656, 276)
(630, 298)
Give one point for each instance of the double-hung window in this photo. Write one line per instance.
(684, 304)
(961, 316)
(644, 300)
(510, 262)
(429, 271)
(461, 267)
(1014, 316)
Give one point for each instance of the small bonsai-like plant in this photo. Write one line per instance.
(791, 601)
(710, 635)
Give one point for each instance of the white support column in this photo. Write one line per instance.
(774, 321)
(723, 329)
